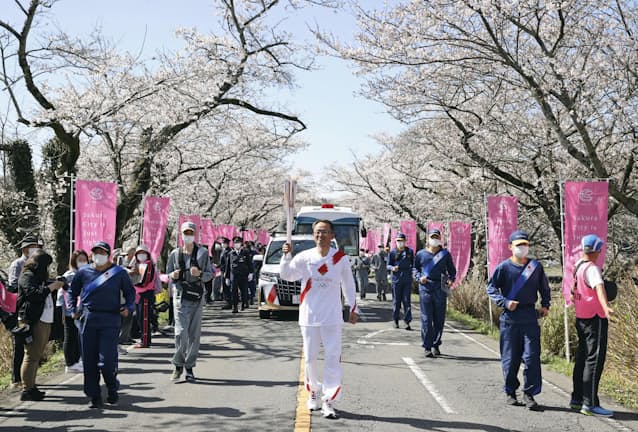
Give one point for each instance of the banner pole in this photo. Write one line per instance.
(487, 256)
(71, 214)
(562, 246)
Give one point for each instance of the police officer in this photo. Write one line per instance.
(379, 264)
(223, 265)
(514, 286)
(100, 287)
(400, 263)
(239, 271)
(361, 268)
(435, 272)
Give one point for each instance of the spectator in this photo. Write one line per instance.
(145, 287)
(71, 344)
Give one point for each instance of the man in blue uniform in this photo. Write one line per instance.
(400, 262)
(435, 272)
(515, 286)
(101, 287)
(239, 272)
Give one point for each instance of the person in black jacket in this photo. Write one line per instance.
(239, 272)
(35, 309)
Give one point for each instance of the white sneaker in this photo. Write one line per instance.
(77, 367)
(327, 410)
(313, 403)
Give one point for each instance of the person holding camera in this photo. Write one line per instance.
(189, 268)
(101, 288)
(35, 311)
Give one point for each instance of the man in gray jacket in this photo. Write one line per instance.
(189, 268)
(379, 266)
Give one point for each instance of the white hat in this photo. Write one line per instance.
(188, 225)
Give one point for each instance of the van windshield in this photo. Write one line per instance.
(273, 256)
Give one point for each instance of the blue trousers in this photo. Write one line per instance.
(433, 303)
(521, 341)
(239, 289)
(99, 345)
(401, 291)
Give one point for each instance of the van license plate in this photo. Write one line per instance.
(295, 299)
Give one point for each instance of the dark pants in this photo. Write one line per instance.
(217, 288)
(590, 359)
(521, 341)
(18, 357)
(71, 345)
(209, 291)
(226, 289)
(126, 329)
(144, 313)
(433, 306)
(99, 344)
(239, 289)
(401, 291)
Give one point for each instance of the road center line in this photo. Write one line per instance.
(428, 385)
(302, 415)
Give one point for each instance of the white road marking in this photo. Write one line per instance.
(365, 340)
(428, 385)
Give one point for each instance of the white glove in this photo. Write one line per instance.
(227, 281)
(250, 277)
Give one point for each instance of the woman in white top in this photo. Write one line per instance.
(35, 310)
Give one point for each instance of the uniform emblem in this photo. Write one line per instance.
(323, 269)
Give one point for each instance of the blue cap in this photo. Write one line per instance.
(592, 243)
(102, 245)
(434, 231)
(401, 236)
(519, 237)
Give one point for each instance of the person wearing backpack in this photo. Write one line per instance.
(592, 323)
(515, 286)
(189, 268)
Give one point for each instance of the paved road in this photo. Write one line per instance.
(248, 380)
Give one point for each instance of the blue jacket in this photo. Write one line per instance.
(404, 260)
(502, 282)
(441, 272)
(101, 307)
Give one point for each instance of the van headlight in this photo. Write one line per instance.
(268, 277)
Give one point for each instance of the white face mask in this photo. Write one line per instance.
(100, 260)
(434, 242)
(81, 264)
(237, 246)
(142, 257)
(31, 251)
(521, 251)
(188, 239)
(400, 244)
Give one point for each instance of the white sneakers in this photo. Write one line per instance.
(327, 410)
(75, 368)
(314, 402)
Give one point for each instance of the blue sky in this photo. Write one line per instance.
(339, 122)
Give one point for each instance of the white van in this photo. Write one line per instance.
(274, 293)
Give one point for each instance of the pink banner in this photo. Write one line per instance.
(586, 206)
(460, 247)
(95, 213)
(374, 238)
(408, 227)
(196, 219)
(439, 226)
(263, 237)
(8, 299)
(227, 231)
(502, 220)
(386, 235)
(156, 210)
(208, 233)
(249, 235)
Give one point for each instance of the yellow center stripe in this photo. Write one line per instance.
(302, 416)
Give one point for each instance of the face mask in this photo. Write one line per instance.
(218, 247)
(81, 264)
(521, 251)
(400, 244)
(142, 257)
(100, 260)
(434, 242)
(188, 239)
(31, 251)
(237, 246)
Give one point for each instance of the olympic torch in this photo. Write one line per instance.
(290, 192)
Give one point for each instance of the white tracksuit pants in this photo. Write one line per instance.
(330, 338)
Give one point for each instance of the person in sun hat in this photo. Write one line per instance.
(106, 295)
(515, 286)
(592, 323)
(400, 264)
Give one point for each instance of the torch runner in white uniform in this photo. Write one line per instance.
(325, 273)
